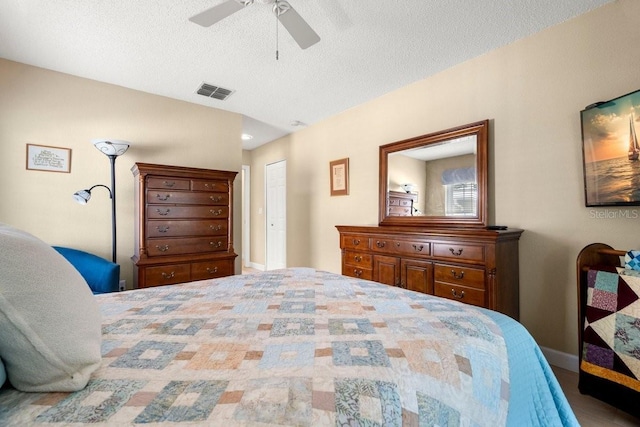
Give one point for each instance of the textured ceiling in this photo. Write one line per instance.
(367, 48)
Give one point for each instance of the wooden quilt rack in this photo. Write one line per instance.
(591, 255)
(599, 256)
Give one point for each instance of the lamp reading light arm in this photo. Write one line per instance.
(83, 196)
(101, 185)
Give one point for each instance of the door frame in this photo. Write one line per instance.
(246, 216)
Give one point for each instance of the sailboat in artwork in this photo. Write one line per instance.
(634, 149)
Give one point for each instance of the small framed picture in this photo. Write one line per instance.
(46, 158)
(339, 172)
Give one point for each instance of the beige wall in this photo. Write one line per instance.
(402, 170)
(48, 108)
(532, 91)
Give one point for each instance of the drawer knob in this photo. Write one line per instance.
(210, 185)
(163, 198)
(168, 276)
(215, 212)
(163, 248)
(456, 253)
(356, 242)
(216, 198)
(216, 227)
(357, 258)
(169, 184)
(457, 275)
(357, 273)
(380, 244)
(163, 212)
(418, 248)
(162, 228)
(216, 244)
(213, 270)
(457, 295)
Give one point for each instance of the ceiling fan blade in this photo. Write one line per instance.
(216, 13)
(301, 32)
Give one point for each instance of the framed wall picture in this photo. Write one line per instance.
(610, 151)
(46, 158)
(339, 172)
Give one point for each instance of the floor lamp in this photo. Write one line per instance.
(112, 149)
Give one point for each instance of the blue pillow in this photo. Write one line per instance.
(632, 260)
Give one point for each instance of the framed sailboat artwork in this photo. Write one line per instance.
(611, 152)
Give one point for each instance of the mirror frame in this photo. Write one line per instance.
(480, 130)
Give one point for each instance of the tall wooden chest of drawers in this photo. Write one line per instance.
(401, 203)
(184, 224)
(475, 266)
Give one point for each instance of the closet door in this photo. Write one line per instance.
(276, 209)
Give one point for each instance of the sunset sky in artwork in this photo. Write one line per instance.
(605, 129)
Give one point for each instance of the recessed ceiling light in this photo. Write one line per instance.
(246, 137)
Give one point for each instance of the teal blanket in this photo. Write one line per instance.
(536, 397)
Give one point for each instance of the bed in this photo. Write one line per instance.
(301, 346)
(609, 326)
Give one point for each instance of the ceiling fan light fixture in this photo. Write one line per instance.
(291, 20)
(280, 7)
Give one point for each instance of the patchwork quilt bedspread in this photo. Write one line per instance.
(301, 347)
(611, 337)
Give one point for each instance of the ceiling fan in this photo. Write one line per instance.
(301, 32)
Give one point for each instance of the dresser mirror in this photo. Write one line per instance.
(436, 180)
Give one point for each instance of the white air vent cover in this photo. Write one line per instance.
(213, 91)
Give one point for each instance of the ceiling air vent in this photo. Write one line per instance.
(215, 92)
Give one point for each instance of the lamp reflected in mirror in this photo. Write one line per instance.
(409, 188)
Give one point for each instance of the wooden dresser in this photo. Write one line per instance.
(476, 266)
(184, 224)
(401, 204)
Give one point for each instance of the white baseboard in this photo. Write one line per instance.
(256, 266)
(561, 360)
